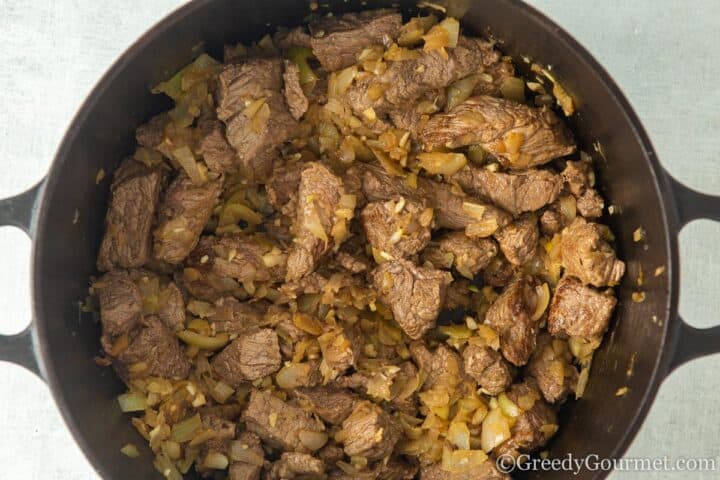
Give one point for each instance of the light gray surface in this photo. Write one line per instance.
(661, 53)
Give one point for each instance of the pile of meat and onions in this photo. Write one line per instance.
(362, 250)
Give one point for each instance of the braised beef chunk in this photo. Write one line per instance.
(499, 273)
(319, 195)
(511, 316)
(336, 41)
(590, 204)
(286, 38)
(550, 222)
(171, 307)
(294, 95)
(551, 367)
(151, 134)
(534, 427)
(237, 256)
(485, 471)
(488, 368)
(517, 135)
(223, 430)
(231, 316)
(331, 404)
(184, 211)
(294, 465)
(282, 187)
(250, 466)
(120, 303)
(456, 250)
(519, 240)
(579, 311)
(279, 424)
(587, 255)
(369, 432)
(515, 193)
(255, 114)
(578, 176)
(405, 82)
(153, 350)
(249, 357)
(398, 228)
(134, 197)
(219, 156)
(448, 204)
(443, 366)
(415, 294)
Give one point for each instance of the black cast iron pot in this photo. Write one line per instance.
(64, 216)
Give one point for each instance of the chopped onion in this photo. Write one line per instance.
(293, 375)
(412, 32)
(313, 440)
(461, 461)
(495, 430)
(475, 210)
(234, 212)
(508, 407)
(308, 323)
(186, 159)
(132, 402)
(216, 461)
(568, 208)
(185, 430)
(459, 435)
(513, 88)
(438, 163)
(460, 91)
(130, 450)
(543, 299)
(443, 35)
(204, 342)
(481, 229)
(221, 392)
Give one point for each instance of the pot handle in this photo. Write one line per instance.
(693, 342)
(19, 211)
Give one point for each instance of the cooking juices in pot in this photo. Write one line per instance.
(367, 249)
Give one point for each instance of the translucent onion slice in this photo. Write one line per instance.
(495, 430)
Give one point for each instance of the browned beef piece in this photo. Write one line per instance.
(278, 423)
(120, 303)
(534, 427)
(443, 366)
(519, 240)
(153, 350)
(172, 307)
(405, 82)
(411, 119)
(232, 316)
(399, 228)
(369, 432)
(134, 197)
(550, 222)
(579, 311)
(446, 201)
(248, 470)
(151, 134)
(294, 96)
(219, 156)
(332, 404)
(282, 187)
(336, 41)
(539, 135)
(415, 294)
(578, 176)
(510, 315)
(499, 272)
(224, 431)
(285, 38)
(254, 133)
(515, 193)
(551, 367)
(352, 263)
(485, 471)
(590, 204)
(587, 255)
(319, 195)
(294, 465)
(467, 255)
(184, 211)
(249, 357)
(236, 256)
(488, 367)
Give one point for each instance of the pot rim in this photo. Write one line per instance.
(668, 207)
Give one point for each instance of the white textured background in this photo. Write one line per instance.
(662, 53)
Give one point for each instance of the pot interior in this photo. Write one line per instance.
(103, 133)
